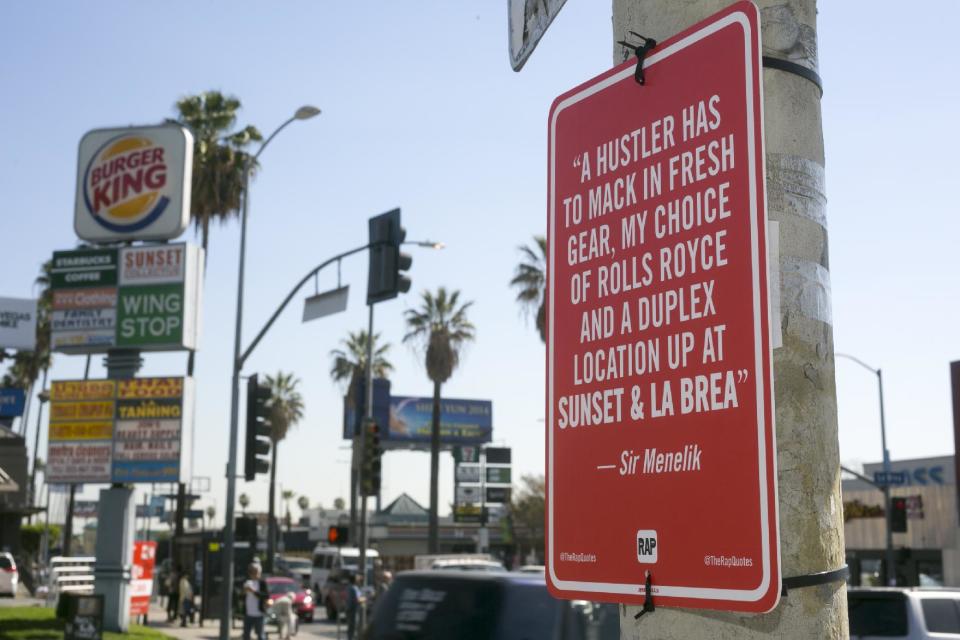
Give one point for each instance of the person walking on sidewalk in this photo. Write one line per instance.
(254, 602)
(354, 601)
(185, 592)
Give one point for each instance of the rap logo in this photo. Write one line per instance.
(647, 546)
(124, 184)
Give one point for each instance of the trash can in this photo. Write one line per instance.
(84, 616)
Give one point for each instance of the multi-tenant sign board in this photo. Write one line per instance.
(144, 297)
(134, 183)
(132, 430)
(660, 436)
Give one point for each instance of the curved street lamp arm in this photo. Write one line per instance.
(858, 361)
(860, 476)
(271, 137)
(283, 305)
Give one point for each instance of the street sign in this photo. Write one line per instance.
(144, 297)
(892, 478)
(527, 21)
(18, 323)
(132, 430)
(660, 429)
(141, 576)
(12, 401)
(134, 183)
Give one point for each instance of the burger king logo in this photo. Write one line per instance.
(125, 183)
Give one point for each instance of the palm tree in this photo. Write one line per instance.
(529, 279)
(441, 328)
(244, 501)
(211, 512)
(350, 362)
(287, 496)
(304, 503)
(286, 410)
(219, 158)
(339, 504)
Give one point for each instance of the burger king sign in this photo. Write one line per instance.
(134, 183)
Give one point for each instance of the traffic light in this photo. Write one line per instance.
(258, 429)
(338, 535)
(898, 515)
(370, 468)
(385, 278)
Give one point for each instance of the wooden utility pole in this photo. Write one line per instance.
(811, 511)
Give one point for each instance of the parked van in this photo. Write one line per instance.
(331, 566)
(908, 613)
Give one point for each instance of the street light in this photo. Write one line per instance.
(303, 113)
(891, 573)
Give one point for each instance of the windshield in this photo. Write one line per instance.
(877, 614)
(283, 586)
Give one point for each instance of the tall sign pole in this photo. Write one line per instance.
(811, 527)
(226, 594)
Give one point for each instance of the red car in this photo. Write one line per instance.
(303, 602)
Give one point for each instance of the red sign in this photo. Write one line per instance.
(660, 434)
(141, 583)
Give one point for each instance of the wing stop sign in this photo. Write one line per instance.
(660, 436)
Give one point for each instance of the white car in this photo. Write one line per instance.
(912, 613)
(8, 575)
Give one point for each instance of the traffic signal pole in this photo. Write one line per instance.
(238, 361)
(368, 376)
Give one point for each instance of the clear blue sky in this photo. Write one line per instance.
(421, 110)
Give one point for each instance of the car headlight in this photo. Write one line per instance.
(307, 599)
(269, 602)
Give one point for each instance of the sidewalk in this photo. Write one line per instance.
(211, 628)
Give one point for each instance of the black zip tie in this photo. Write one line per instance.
(815, 579)
(796, 69)
(641, 51)
(648, 606)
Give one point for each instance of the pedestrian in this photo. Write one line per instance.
(173, 600)
(185, 592)
(286, 616)
(254, 602)
(354, 601)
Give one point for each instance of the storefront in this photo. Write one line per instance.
(928, 553)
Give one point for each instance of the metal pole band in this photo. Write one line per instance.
(794, 68)
(814, 579)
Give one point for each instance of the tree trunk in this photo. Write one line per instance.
(811, 526)
(271, 521)
(206, 236)
(433, 534)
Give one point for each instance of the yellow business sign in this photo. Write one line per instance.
(80, 431)
(64, 411)
(82, 390)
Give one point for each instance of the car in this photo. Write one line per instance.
(332, 566)
(303, 602)
(467, 565)
(8, 575)
(903, 612)
(478, 605)
(299, 569)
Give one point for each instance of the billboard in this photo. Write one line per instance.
(461, 422)
(133, 183)
(144, 297)
(18, 323)
(119, 430)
